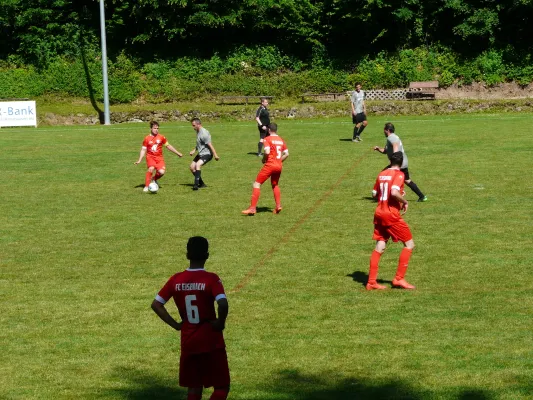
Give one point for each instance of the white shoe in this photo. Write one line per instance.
(145, 190)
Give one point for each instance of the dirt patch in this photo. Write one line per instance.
(480, 91)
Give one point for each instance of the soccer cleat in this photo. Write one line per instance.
(202, 185)
(422, 199)
(249, 211)
(145, 190)
(357, 139)
(277, 210)
(259, 155)
(402, 283)
(195, 187)
(375, 286)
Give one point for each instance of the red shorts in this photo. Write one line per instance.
(268, 172)
(398, 232)
(205, 369)
(157, 163)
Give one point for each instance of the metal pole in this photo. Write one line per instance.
(107, 120)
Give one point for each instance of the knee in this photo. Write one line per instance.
(365, 123)
(256, 185)
(161, 172)
(410, 244)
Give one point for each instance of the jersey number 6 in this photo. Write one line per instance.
(192, 311)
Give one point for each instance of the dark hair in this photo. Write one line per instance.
(197, 248)
(273, 127)
(396, 159)
(197, 120)
(152, 123)
(263, 99)
(357, 84)
(389, 127)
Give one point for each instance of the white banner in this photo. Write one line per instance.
(18, 113)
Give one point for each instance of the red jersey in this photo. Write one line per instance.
(154, 145)
(277, 147)
(388, 209)
(195, 292)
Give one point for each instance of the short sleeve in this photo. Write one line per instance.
(258, 112)
(217, 288)
(167, 291)
(397, 182)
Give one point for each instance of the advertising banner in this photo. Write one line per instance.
(18, 113)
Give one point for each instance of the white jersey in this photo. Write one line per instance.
(358, 99)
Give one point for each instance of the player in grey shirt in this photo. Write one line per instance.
(357, 100)
(205, 152)
(393, 145)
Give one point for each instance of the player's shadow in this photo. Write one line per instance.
(137, 385)
(293, 384)
(362, 278)
(139, 186)
(251, 153)
(370, 198)
(259, 210)
(345, 140)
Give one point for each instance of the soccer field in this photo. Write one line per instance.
(84, 251)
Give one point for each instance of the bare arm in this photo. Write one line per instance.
(396, 195)
(162, 313)
(172, 149)
(380, 149)
(223, 309)
(141, 155)
(213, 151)
(284, 155)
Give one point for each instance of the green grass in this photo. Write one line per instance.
(83, 253)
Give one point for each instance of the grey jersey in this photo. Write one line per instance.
(391, 139)
(203, 137)
(358, 99)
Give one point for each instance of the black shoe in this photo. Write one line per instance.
(195, 187)
(422, 199)
(202, 185)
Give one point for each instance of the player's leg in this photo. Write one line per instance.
(355, 130)
(362, 127)
(198, 174)
(217, 374)
(263, 175)
(262, 135)
(148, 177)
(381, 242)
(159, 172)
(190, 375)
(274, 180)
(194, 393)
(413, 186)
(402, 232)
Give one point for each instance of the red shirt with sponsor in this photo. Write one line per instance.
(276, 146)
(154, 145)
(388, 209)
(195, 292)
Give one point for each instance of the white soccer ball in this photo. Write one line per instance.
(153, 187)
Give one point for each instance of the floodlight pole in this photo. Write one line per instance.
(107, 120)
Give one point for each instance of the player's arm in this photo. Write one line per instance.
(172, 149)
(141, 155)
(284, 155)
(213, 151)
(223, 310)
(161, 311)
(380, 149)
(353, 106)
(395, 193)
(191, 153)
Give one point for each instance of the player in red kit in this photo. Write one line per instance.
(152, 147)
(389, 224)
(203, 361)
(275, 153)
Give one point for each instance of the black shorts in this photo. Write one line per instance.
(205, 158)
(358, 118)
(262, 132)
(404, 170)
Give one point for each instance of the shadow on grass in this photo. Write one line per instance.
(137, 385)
(362, 278)
(291, 384)
(345, 140)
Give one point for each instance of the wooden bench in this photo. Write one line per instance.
(422, 90)
(323, 96)
(243, 99)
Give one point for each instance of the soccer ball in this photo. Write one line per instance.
(153, 187)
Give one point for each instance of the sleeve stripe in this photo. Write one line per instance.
(220, 296)
(395, 187)
(160, 299)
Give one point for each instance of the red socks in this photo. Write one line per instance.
(147, 178)
(157, 176)
(255, 197)
(374, 265)
(277, 196)
(403, 262)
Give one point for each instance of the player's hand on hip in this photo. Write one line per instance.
(218, 325)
